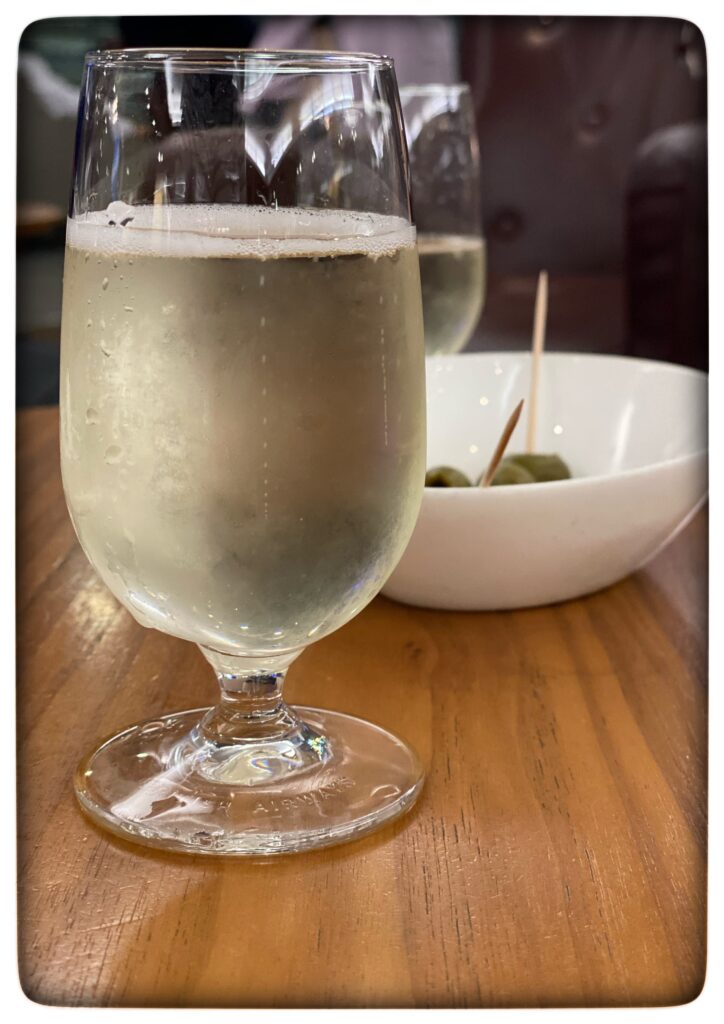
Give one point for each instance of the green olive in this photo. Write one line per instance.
(445, 476)
(542, 467)
(510, 473)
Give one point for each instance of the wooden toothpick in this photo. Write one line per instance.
(539, 337)
(502, 445)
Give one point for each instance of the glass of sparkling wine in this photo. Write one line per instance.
(243, 421)
(445, 174)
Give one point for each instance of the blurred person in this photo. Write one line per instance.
(561, 106)
(425, 49)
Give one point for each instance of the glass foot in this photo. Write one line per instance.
(330, 778)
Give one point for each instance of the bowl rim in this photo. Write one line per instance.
(597, 478)
(604, 357)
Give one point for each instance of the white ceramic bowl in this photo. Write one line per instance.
(632, 431)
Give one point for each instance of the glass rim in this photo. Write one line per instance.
(220, 58)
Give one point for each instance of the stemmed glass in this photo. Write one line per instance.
(243, 421)
(445, 176)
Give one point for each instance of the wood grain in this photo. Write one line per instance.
(556, 857)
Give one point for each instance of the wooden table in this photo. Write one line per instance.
(556, 857)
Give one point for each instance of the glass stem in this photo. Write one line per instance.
(251, 706)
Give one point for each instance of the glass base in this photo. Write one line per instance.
(330, 779)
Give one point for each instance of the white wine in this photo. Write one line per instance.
(243, 417)
(452, 271)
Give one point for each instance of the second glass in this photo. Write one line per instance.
(445, 177)
(243, 421)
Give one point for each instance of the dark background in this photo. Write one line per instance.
(593, 165)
